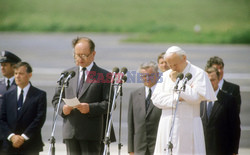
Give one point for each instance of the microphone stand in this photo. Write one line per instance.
(170, 144)
(107, 137)
(52, 140)
(120, 118)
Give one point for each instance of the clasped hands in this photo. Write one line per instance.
(17, 141)
(82, 107)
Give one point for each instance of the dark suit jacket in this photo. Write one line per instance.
(31, 120)
(222, 129)
(142, 126)
(234, 90)
(96, 93)
(2, 92)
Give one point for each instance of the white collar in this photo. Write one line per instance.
(10, 79)
(25, 90)
(88, 68)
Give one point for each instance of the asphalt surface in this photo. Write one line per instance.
(51, 53)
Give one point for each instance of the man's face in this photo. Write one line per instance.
(82, 54)
(176, 62)
(149, 77)
(7, 69)
(22, 77)
(220, 69)
(162, 64)
(214, 80)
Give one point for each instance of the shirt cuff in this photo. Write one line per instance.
(25, 137)
(9, 137)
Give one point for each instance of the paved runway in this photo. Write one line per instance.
(51, 53)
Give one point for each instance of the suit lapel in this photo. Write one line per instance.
(13, 103)
(141, 100)
(216, 107)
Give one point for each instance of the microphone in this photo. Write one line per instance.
(123, 72)
(70, 76)
(123, 80)
(114, 72)
(178, 79)
(188, 76)
(63, 75)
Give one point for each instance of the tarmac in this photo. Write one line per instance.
(51, 53)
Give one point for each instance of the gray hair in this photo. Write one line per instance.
(147, 65)
(174, 49)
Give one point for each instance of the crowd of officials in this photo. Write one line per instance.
(174, 115)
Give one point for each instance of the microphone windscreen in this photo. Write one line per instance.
(124, 79)
(188, 76)
(72, 73)
(115, 69)
(124, 70)
(180, 76)
(65, 73)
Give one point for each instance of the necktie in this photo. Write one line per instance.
(209, 108)
(20, 103)
(148, 99)
(8, 84)
(81, 81)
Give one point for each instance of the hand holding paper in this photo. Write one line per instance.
(71, 102)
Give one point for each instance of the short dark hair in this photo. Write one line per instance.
(214, 61)
(211, 70)
(26, 64)
(79, 39)
(161, 56)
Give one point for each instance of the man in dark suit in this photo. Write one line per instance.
(221, 121)
(228, 87)
(83, 125)
(8, 61)
(143, 116)
(23, 114)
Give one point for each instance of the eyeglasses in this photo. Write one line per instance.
(145, 75)
(82, 56)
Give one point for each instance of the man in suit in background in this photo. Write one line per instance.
(143, 116)
(221, 121)
(23, 114)
(162, 64)
(228, 87)
(8, 61)
(83, 125)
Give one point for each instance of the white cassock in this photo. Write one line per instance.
(187, 133)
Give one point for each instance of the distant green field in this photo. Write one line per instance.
(172, 21)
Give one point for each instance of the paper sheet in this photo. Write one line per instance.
(71, 102)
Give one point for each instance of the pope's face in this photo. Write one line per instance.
(176, 62)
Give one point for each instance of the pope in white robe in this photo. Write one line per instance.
(187, 132)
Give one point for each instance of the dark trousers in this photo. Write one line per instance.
(83, 147)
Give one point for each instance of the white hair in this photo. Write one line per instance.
(150, 64)
(174, 49)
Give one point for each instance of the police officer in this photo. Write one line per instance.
(8, 61)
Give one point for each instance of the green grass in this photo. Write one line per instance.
(221, 21)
